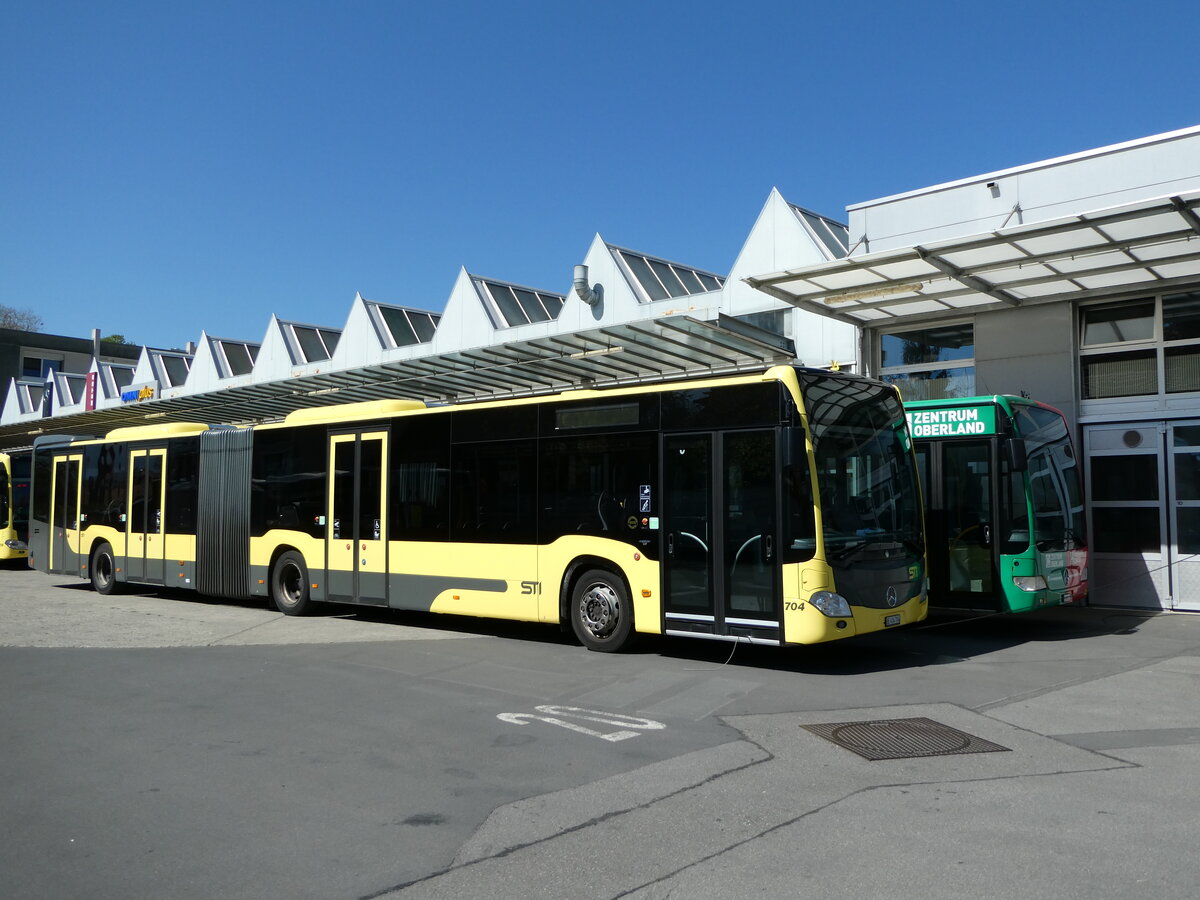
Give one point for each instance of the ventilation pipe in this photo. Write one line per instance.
(586, 294)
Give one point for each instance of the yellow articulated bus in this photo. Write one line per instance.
(14, 505)
(779, 507)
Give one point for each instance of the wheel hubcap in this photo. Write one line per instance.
(600, 610)
(289, 582)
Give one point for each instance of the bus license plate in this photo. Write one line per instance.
(891, 620)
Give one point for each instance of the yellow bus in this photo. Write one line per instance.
(14, 505)
(778, 507)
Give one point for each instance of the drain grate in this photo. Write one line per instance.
(902, 738)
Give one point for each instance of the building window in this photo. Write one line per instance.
(116, 378)
(309, 344)
(29, 395)
(660, 280)
(774, 320)
(1141, 347)
(512, 305)
(71, 388)
(404, 327)
(932, 363)
(171, 369)
(237, 357)
(834, 236)
(34, 365)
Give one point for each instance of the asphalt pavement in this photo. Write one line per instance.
(166, 745)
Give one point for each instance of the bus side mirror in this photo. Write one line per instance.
(1014, 449)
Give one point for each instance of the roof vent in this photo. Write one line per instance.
(590, 296)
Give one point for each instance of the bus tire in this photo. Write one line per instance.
(601, 611)
(102, 570)
(289, 585)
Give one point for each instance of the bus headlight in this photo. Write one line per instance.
(831, 604)
(1030, 583)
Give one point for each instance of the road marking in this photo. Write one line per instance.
(623, 722)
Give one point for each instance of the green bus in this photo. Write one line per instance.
(1003, 503)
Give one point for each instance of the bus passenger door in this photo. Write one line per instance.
(144, 560)
(961, 518)
(688, 532)
(720, 559)
(64, 515)
(356, 526)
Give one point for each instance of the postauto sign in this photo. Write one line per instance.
(965, 421)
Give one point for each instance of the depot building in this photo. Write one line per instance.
(1074, 281)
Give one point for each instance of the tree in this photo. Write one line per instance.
(114, 339)
(19, 319)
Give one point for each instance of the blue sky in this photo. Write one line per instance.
(167, 168)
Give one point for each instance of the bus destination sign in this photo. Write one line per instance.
(966, 421)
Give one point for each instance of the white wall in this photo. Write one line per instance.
(778, 241)
(1083, 182)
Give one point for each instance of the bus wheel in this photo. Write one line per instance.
(601, 614)
(103, 570)
(289, 585)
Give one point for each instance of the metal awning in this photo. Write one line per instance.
(638, 352)
(1152, 244)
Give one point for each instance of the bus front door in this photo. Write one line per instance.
(960, 520)
(64, 515)
(145, 548)
(356, 527)
(720, 564)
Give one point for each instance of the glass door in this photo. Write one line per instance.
(966, 481)
(688, 526)
(356, 527)
(749, 499)
(959, 494)
(64, 515)
(720, 530)
(1129, 544)
(145, 560)
(1184, 478)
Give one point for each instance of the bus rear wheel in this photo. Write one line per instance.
(102, 570)
(601, 612)
(289, 585)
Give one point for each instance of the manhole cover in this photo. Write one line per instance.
(902, 738)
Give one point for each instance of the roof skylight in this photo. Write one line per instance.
(309, 344)
(171, 369)
(660, 280)
(234, 357)
(515, 305)
(834, 236)
(404, 327)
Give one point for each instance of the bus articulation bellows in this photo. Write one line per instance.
(778, 507)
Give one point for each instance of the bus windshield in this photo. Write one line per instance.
(869, 500)
(1054, 480)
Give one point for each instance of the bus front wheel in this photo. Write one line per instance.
(601, 612)
(103, 570)
(289, 585)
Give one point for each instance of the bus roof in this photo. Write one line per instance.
(1004, 401)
